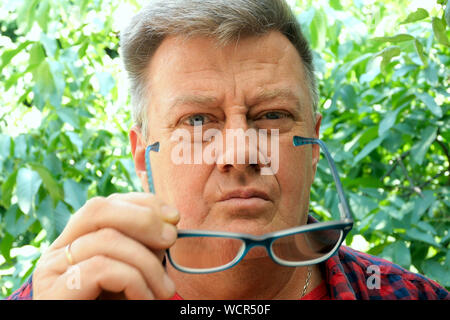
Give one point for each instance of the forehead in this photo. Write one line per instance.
(241, 68)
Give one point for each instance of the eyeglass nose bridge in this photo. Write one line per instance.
(251, 243)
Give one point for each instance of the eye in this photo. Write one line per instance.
(197, 120)
(281, 120)
(275, 115)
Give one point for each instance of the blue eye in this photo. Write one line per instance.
(197, 120)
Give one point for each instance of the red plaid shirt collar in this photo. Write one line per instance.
(352, 275)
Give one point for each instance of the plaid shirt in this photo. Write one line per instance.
(352, 275)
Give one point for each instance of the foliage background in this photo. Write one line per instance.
(384, 85)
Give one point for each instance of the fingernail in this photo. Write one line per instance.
(169, 232)
(168, 283)
(169, 212)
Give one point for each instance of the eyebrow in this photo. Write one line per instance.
(193, 99)
(267, 95)
(261, 96)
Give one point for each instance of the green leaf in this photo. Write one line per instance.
(70, 116)
(8, 55)
(419, 49)
(46, 216)
(388, 54)
(8, 188)
(439, 31)
(437, 271)
(368, 149)
(381, 222)
(388, 121)
(336, 4)
(62, 216)
(50, 184)
(349, 96)
(45, 86)
(5, 146)
(37, 55)
(421, 236)
(430, 103)
(361, 205)
(42, 13)
(393, 212)
(23, 223)
(26, 14)
(418, 15)
(76, 140)
(128, 169)
(75, 193)
(419, 150)
(13, 80)
(49, 44)
(84, 6)
(28, 183)
(395, 39)
(447, 14)
(397, 252)
(6, 245)
(52, 163)
(11, 224)
(57, 70)
(318, 30)
(426, 227)
(421, 204)
(20, 147)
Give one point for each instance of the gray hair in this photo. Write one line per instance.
(225, 20)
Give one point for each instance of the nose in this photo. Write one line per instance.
(240, 150)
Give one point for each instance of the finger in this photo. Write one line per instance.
(168, 213)
(83, 281)
(113, 244)
(141, 223)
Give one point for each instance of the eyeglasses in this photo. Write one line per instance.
(201, 251)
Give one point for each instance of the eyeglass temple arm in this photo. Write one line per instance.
(344, 208)
(152, 147)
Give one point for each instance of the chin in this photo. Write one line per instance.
(258, 226)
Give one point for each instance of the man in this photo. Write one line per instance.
(220, 67)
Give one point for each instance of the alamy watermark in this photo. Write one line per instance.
(191, 150)
(374, 280)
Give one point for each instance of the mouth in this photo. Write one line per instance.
(245, 194)
(246, 201)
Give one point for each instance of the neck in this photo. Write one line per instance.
(249, 280)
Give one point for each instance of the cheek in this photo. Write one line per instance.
(183, 186)
(294, 177)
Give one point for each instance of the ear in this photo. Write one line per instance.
(316, 148)
(138, 146)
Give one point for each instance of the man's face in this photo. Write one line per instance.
(257, 83)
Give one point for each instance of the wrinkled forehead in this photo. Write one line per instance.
(183, 66)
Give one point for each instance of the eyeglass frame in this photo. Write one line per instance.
(266, 240)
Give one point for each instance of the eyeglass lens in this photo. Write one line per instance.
(306, 246)
(205, 252)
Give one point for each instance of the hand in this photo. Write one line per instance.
(117, 244)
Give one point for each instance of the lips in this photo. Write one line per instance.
(245, 194)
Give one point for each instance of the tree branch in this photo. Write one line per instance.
(402, 156)
(413, 187)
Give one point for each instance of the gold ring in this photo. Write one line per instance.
(69, 254)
